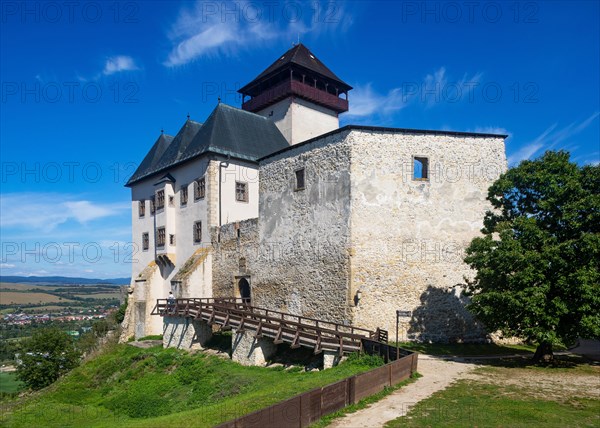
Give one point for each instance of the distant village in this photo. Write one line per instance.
(65, 316)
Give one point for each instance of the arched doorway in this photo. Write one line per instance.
(244, 288)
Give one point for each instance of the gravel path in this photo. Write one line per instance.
(437, 375)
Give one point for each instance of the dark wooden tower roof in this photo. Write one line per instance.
(298, 72)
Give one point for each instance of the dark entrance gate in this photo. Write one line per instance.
(244, 288)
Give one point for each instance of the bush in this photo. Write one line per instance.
(101, 327)
(365, 360)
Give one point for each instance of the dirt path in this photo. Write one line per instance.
(437, 375)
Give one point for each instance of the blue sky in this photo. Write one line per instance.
(87, 87)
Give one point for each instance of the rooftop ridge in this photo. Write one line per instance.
(383, 129)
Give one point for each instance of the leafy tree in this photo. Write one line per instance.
(538, 263)
(48, 354)
(120, 313)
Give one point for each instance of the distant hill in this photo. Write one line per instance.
(63, 280)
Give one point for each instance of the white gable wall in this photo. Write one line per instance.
(300, 120)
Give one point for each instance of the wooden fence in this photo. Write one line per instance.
(307, 408)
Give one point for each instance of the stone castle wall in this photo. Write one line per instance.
(235, 250)
(294, 255)
(363, 223)
(302, 263)
(408, 236)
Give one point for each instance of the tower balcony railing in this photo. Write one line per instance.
(294, 87)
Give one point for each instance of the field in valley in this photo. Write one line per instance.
(37, 297)
(28, 298)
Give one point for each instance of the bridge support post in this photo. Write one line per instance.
(330, 359)
(250, 351)
(185, 333)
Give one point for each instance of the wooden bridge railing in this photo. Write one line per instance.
(280, 326)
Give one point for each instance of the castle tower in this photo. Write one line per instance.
(299, 93)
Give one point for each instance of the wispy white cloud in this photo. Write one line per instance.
(221, 28)
(367, 102)
(551, 138)
(119, 63)
(435, 88)
(45, 211)
(592, 158)
(6, 266)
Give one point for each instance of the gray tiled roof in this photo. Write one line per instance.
(153, 157)
(228, 131)
(238, 133)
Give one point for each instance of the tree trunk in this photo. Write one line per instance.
(543, 353)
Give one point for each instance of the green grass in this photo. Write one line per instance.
(156, 387)
(9, 383)
(491, 402)
(151, 337)
(467, 349)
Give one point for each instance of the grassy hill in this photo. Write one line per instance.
(128, 386)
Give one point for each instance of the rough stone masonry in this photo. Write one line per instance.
(364, 237)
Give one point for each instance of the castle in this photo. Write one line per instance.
(276, 204)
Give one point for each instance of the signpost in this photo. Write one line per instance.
(399, 314)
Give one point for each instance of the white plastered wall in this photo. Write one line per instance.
(300, 120)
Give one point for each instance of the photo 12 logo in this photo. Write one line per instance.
(271, 11)
(469, 12)
(69, 12)
(68, 252)
(65, 172)
(70, 92)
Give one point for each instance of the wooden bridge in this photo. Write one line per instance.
(231, 313)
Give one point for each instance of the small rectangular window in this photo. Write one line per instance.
(142, 208)
(300, 179)
(145, 241)
(160, 199)
(152, 205)
(200, 189)
(197, 232)
(160, 237)
(420, 168)
(171, 239)
(171, 201)
(183, 195)
(241, 191)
